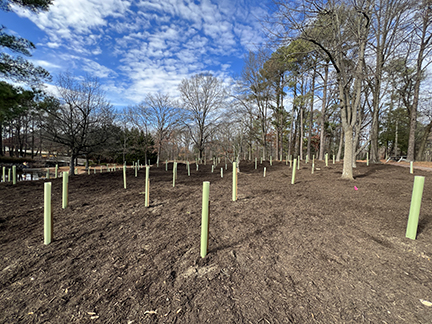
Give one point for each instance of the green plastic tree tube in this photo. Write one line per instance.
(65, 190)
(313, 167)
(94, 170)
(174, 173)
(136, 170)
(271, 160)
(413, 218)
(212, 168)
(334, 159)
(367, 158)
(226, 166)
(9, 175)
(294, 172)
(307, 158)
(234, 186)
(298, 162)
(290, 163)
(411, 167)
(313, 158)
(124, 176)
(188, 168)
(47, 213)
(147, 187)
(256, 163)
(4, 174)
(197, 166)
(205, 218)
(265, 169)
(221, 172)
(88, 171)
(157, 162)
(166, 165)
(14, 179)
(326, 159)
(261, 161)
(56, 171)
(138, 165)
(286, 161)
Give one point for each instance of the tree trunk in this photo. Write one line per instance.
(1, 138)
(339, 153)
(311, 115)
(323, 112)
(396, 140)
(424, 42)
(427, 131)
(374, 156)
(347, 172)
(72, 164)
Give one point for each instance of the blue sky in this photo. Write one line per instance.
(137, 47)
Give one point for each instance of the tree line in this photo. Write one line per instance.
(341, 77)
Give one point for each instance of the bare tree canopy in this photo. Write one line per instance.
(80, 118)
(203, 96)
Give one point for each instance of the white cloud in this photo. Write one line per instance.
(142, 46)
(46, 64)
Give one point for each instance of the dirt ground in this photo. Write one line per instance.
(318, 251)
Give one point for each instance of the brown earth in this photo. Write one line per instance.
(318, 251)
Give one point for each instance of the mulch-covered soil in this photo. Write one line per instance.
(318, 251)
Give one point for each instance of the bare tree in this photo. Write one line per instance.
(203, 96)
(422, 40)
(80, 117)
(161, 114)
(388, 22)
